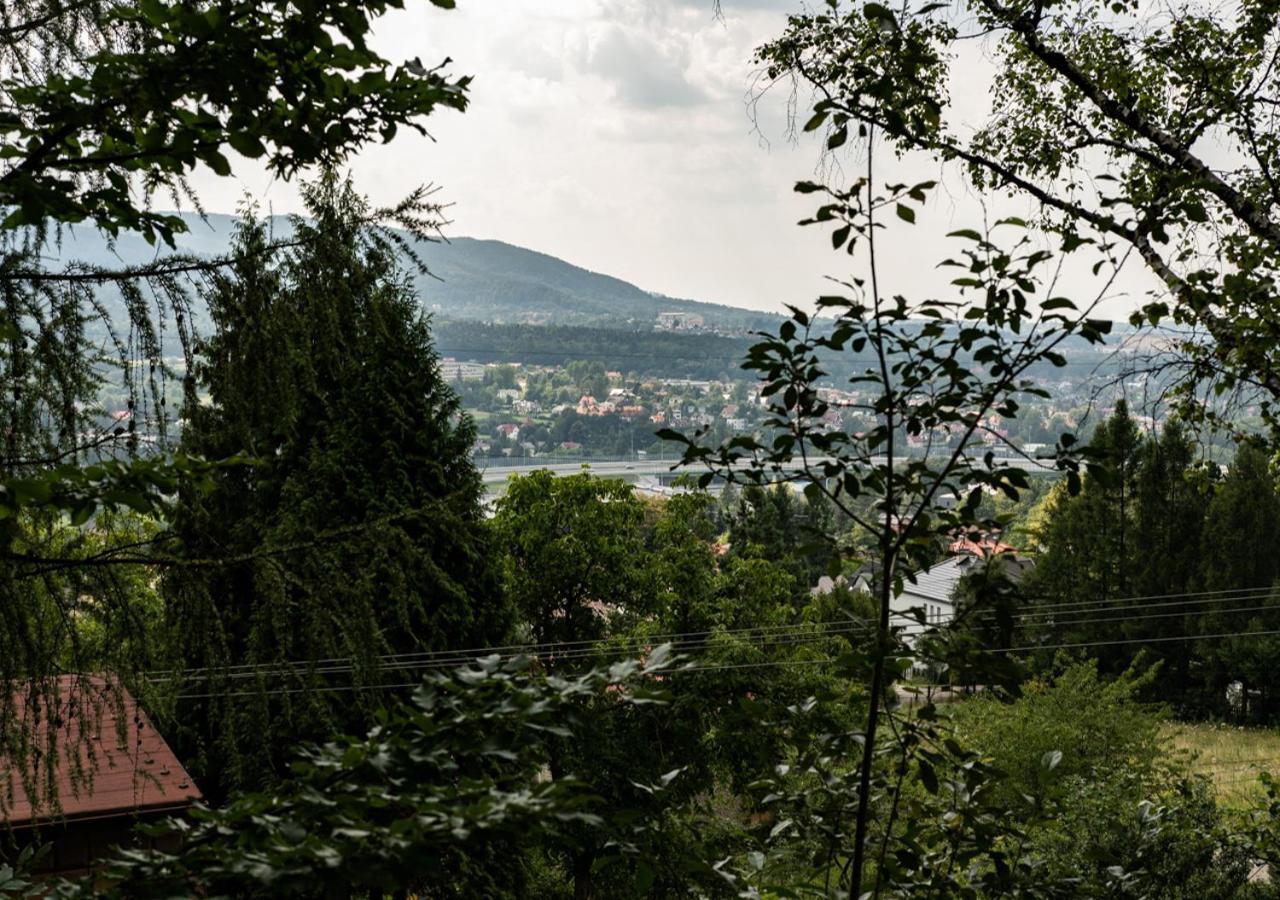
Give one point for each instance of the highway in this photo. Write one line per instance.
(497, 471)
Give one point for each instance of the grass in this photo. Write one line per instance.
(1232, 756)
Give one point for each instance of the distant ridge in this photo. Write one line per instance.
(474, 279)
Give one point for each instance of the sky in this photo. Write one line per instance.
(628, 137)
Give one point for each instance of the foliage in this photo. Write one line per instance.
(1095, 726)
(459, 766)
(1089, 548)
(570, 547)
(945, 385)
(293, 85)
(597, 576)
(781, 525)
(1098, 113)
(1156, 548)
(1083, 762)
(109, 107)
(360, 532)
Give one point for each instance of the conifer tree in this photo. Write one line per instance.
(358, 531)
(1170, 514)
(1171, 499)
(1088, 540)
(1241, 552)
(1241, 546)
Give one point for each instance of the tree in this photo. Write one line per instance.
(589, 377)
(1171, 494)
(599, 576)
(358, 532)
(1240, 544)
(108, 109)
(939, 370)
(1240, 555)
(1083, 763)
(785, 527)
(1087, 554)
(570, 548)
(1102, 114)
(1170, 500)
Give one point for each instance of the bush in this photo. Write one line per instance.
(1083, 766)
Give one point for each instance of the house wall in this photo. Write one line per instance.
(73, 848)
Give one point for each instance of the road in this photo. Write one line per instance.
(497, 471)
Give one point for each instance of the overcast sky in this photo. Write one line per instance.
(616, 134)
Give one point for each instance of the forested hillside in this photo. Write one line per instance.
(467, 278)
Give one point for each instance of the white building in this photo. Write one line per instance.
(933, 590)
(452, 370)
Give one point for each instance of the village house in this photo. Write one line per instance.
(112, 771)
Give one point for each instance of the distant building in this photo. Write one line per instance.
(680, 321)
(510, 431)
(452, 370)
(112, 771)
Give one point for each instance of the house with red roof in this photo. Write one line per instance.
(91, 767)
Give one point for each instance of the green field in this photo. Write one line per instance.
(1230, 755)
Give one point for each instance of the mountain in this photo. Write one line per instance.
(470, 279)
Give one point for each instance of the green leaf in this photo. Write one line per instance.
(246, 144)
(928, 777)
(1057, 303)
(876, 12)
(218, 163)
(906, 213)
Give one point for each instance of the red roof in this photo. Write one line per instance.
(982, 547)
(99, 769)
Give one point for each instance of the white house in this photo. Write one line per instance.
(933, 590)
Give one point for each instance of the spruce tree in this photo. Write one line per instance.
(1171, 501)
(1241, 552)
(357, 531)
(1242, 526)
(1088, 539)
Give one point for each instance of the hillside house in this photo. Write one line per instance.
(933, 589)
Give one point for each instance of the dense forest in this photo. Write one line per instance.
(642, 352)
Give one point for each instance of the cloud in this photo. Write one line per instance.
(645, 73)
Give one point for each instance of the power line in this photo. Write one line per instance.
(638, 642)
(678, 670)
(600, 654)
(1147, 640)
(757, 665)
(777, 635)
(1230, 594)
